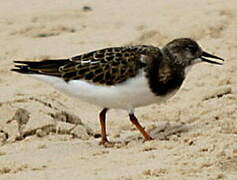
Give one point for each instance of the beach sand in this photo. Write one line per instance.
(195, 131)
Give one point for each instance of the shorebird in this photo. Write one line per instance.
(122, 77)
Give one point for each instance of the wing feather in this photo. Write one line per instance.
(106, 66)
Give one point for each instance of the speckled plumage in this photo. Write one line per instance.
(121, 77)
(108, 66)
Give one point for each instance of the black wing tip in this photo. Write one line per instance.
(22, 71)
(21, 62)
(22, 67)
(39, 67)
(29, 63)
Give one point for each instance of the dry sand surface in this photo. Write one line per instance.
(196, 130)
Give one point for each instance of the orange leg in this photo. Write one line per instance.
(134, 120)
(103, 126)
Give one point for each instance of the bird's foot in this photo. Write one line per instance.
(106, 143)
(148, 138)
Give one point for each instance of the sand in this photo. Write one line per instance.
(195, 131)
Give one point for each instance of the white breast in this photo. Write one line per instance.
(128, 95)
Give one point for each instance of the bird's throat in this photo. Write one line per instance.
(187, 70)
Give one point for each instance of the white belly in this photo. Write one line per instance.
(128, 95)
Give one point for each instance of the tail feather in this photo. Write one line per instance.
(48, 67)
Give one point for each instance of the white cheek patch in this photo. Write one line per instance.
(196, 61)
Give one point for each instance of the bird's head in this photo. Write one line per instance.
(186, 52)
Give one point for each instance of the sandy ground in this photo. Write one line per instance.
(195, 131)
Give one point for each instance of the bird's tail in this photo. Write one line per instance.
(47, 67)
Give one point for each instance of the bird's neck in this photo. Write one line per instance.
(172, 62)
(164, 76)
(169, 58)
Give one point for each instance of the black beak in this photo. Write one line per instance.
(205, 54)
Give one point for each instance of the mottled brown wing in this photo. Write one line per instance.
(107, 66)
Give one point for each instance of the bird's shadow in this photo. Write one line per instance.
(163, 131)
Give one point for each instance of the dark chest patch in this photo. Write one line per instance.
(163, 79)
(165, 74)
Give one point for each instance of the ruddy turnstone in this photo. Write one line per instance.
(121, 77)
